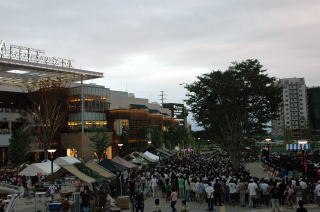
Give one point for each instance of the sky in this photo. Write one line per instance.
(148, 46)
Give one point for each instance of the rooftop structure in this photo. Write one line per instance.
(21, 66)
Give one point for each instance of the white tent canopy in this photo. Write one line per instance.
(39, 168)
(152, 156)
(67, 160)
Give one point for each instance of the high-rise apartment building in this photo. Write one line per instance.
(314, 111)
(293, 111)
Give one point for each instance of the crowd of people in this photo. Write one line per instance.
(209, 178)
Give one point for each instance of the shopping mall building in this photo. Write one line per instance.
(89, 106)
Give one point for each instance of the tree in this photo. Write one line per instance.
(48, 110)
(234, 104)
(156, 137)
(100, 142)
(19, 146)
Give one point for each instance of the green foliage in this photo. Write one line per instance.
(100, 142)
(288, 135)
(234, 104)
(142, 133)
(19, 146)
(86, 170)
(175, 136)
(126, 148)
(156, 137)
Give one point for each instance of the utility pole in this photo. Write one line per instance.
(162, 97)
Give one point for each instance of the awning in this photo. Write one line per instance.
(112, 166)
(99, 169)
(298, 146)
(124, 162)
(152, 156)
(72, 170)
(146, 157)
(67, 160)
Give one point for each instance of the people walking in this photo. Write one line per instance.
(209, 192)
(174, 199)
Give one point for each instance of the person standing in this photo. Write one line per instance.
(233, 192)
(301, 208)
(241, 187)
(298, 191)
(168, 188)
(209, 192)
(184, 207)
(139, 203)
(252, 188)
(157, 206)
(317, 192)
(154, 183)
(217, 193)
(181, 184)
(289, 193)
(274, 192)
(174, 199)
(187, 187)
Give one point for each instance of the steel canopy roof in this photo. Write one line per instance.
(24, 73)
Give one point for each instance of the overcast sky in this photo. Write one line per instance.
(153, 45)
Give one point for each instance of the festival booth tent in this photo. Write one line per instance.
(170, 152)
(71, 169)
(67, 160)
(112, 166)
(137, 159)
(39, 168)
(162, 153)
(99, 169)
(124, 162)
(152, 156)
(146, 157)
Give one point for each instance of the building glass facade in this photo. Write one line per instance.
(96, 103)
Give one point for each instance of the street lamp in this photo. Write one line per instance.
(120, 146)
(268, 140)
(51, 151)
(303, 143)
(149, 142)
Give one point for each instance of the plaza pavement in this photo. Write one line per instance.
(28, 205)
(24, 205)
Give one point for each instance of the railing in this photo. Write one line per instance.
(11, 204)
(6, 185)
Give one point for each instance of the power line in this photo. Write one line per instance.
(162, 97)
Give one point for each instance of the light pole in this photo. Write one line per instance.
(120, 146)
(198, 145)
(303, 144)
(268, 140)
(149, 142)
(51, 151)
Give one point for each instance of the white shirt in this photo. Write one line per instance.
(264, 187)
(154, 182)
(317, 190)
(233, 188)
(252, 188)
(209, 191)
(303, 185)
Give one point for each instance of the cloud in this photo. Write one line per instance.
(156, 45)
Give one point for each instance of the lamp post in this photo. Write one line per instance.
(303, 144)
(268, 140)
(149, 142)
(51, 151)
(120, 146)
